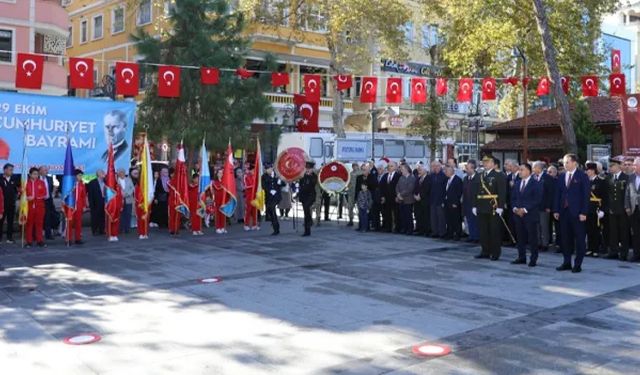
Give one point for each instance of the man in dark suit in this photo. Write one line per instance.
(488, 205)
(436, 201)
(307, 195)
(10, 188)
(618, 218)
(511, 170)
(526, 196)
(376, 194)
(597, 207)
(50, 209)
(421, 207)
(452, 199)
(571, 206)
(367, 177)
(469, 188)
(390, 212)
(272, 186)
(546, 203)
(95, 192)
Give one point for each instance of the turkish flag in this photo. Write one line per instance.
(617, 84)
(168, 81)
(465, 90)
(589, 86)
(525, 81)
(80, 73)
(369, 90)
(307, 114)
(543, 87)
(209, 76)
(513, 81)
(489, 89)
(394, 90)
(312, 87)
(441, 86)
(564, 82)
(279, 79)
(243, 73)
(344, 82)
(29, 71)
(418, 90)
(127, 79)
(616, 64)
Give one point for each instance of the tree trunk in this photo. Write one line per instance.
(549, 52)
(338, 102)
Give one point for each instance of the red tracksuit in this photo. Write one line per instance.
(113, 226)
(36, 194)
(220, 199)
(74, 225)
(194, 205)
(141, 218)
(174, 216)
(250, 212)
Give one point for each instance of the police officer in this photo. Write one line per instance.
(488, 203)
(307, 195)
(597, 208)
(618, 219)
(272, 185)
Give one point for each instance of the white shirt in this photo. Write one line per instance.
(616, 176)
(449, 181)
(569, 176)
(122, 182)
(524, 183)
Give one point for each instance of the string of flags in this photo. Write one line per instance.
(30, 68)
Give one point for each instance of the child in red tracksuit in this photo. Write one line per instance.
(36, 194)
(194, 205)
(141, 217)
(219, 197)
(250, 212)
(74, 226)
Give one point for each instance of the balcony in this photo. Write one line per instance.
(51, 12)
(283, 100)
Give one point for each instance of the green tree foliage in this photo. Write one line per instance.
(427, 123)
(203, 33)
(586, 132)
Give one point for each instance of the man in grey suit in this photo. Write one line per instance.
(632, 207)
(126, 185)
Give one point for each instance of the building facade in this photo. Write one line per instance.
(34, 26)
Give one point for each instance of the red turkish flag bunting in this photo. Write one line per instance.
(243, 73)
(418, 90)
(441, 86)
(589, 86)
(617, 84)
(543, 87)
(127, 79)
(489, 89)
(209, 76)
(525, 81)
(312, 87)
(343, 82)
(513, 81)
(307, 119)
(169, 81)
(369, 90)
(80, 73)
(465, 90)
(616, 64)
(29, 69)
(279, 79)
(564, 82)
(394, 90)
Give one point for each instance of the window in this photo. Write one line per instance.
(314, 20)
(144, 13)
(169, 7)
(426, 35)
(394, 148)
(6, 44)
(378, 148)
(117, 20)
(69, 36)
(97, 27)
(415, 149)
(83, 31)
(278, 10)
(408, 32)
(315, 147)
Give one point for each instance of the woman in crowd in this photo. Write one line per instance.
(405, 199)
(160, 214)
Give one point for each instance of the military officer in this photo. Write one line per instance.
(307, 195)
(618, 219)
(597, 208)
(488, 204)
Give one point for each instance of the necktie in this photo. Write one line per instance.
(389, 178)
(569, 179)
(522, 186)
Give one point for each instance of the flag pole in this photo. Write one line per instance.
(24, 154)
(66, 212)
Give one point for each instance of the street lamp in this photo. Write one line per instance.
(475, 122)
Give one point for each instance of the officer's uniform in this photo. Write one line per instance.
(307, 196)
(597, 203)
(272, 186)
(491, 194)
(618, 219)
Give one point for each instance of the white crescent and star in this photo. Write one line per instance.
(309, 107)
(488, 85)
(563, 80)
(368, 86)
(616, 59)
(29, 62)
(465, 87)
(312, 84)
(617, 81)
(78, 65)
(396, 85)
(342, 78)
(419, 86)
(168, 73)
(127, 70)
(589, 82)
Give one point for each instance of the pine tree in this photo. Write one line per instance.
(427, 123)
(586, 132)
(203, 33)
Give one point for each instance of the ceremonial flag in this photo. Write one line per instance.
(617, 84)
(112, 194)
(513, 81)
(369, 90)
(80, 73)
(209, 76)
(24, 203)
(394, 90)
(146, 178)
(489, 89)
(465, 89)
(312, 87)
(180, 184)
(616, 64)
(243, 73)
(258, 198)
(229, 185)
(344, 82)
(543, 87)
(29, 69)
(525, 81)
(279, 79)
(418, 90)
(169, 81)
(589, 86)
(127, 79)
(441, 86)
(205, 180)
(68, 184)
(564, 81)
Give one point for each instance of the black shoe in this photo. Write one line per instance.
(327, 219)
(532, 263)
(27, 245)
(275, 233)
(519, 261)
(544, 248)
(563, 267)
(306, 234)
(576, 269)
(634, 259)
(481, 256)
(350, 224)
(623, 258)
(494, 258)
(79, 242)
(42, 244)
(589, 254)
(358, 230)
(611, 256)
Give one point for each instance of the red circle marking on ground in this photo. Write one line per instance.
(82, 339)
(210, 280)
(431, 350)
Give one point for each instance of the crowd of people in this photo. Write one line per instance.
(536, 207)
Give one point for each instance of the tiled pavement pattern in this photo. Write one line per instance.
(339, 302)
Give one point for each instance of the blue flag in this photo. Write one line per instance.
(69, 183)
(205, 180)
